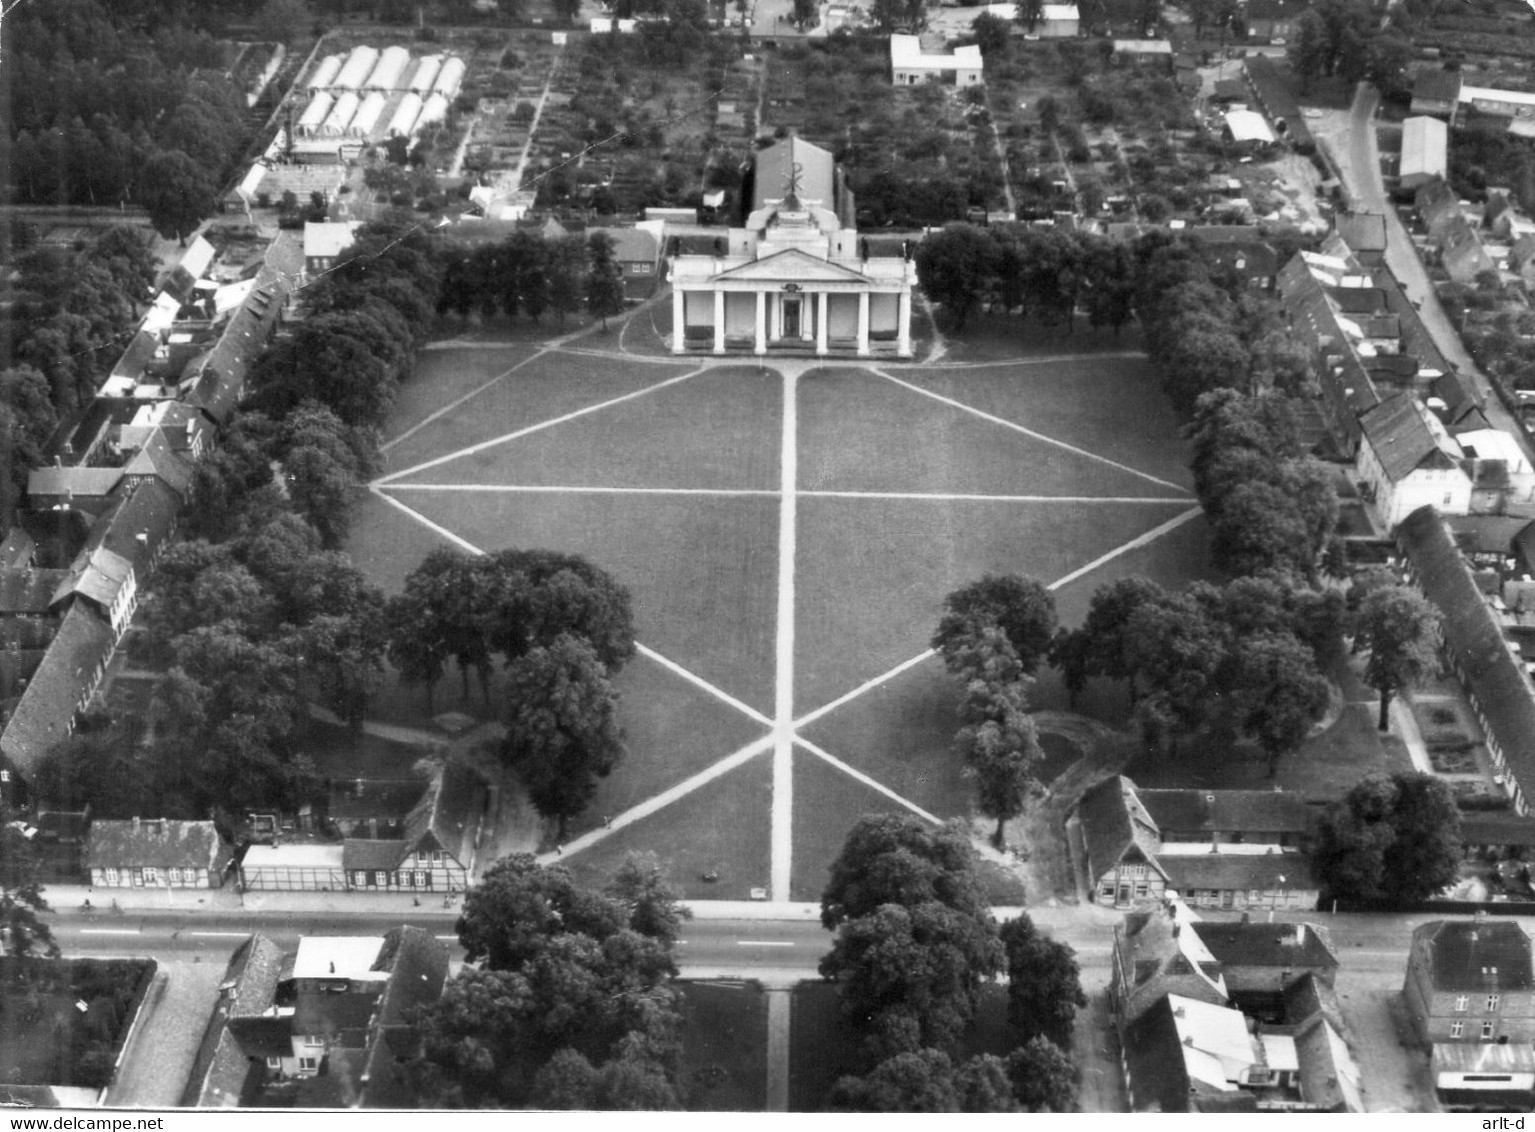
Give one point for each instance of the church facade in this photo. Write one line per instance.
(796, 278)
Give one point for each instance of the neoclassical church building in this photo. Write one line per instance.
(797, 278)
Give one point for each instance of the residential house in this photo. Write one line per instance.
(1157, 953)
(1347, 392)
(324, 243)
(1437, 206)
(1271, 21)
(1491, 673)
(1238, 251)
(1224, 849)
(1259, 961)
(323, 1027)
(81, 488)
(638, 254)
(1248, 127)
(1274, 92)
(195, 263)
(106, 580)
(1365, 235)
(1436, 92)
(1521, 258)
(1425, 152)
(1059, 21)
(1461, 252)
(440, 844)
(59, 690)
(1157, 53)
(373, 808)
(1173, 1068)
(1407, 460)
(910, 65)
(1470, 984)
(154, 853)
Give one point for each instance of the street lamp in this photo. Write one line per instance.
(1281, 879)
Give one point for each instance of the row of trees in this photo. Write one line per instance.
(105, 114)
(1047, 273)
(916, 947)
(563, 629)
(567, 1001)
(993, 635)
(530, 275)
(1344, 38)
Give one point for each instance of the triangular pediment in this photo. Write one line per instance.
(791, 266)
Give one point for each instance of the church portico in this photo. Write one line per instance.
(793, 280)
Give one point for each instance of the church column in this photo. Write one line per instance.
(863, 324)
(760, 345)
(775, 322)
(821, 304)
(903, 326)
(719, 322)
(678, 326)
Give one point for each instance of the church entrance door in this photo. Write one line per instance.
(791, 318)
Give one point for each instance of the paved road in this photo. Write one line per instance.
(1360, 162)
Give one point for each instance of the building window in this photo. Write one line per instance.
(308, 1064)
(314, 1040)
(151, 875)
(1457, 1029)
(1486, 1031)
(1460, 1002)
(1492, 1002)
(359, 877)
(274, 1063)
(109, 876)
(1140, 891)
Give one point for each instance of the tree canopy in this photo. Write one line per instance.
(1390, 840)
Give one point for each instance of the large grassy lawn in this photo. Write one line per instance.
(716, 430)
(703, 571)
(873, 572)
(720, 830)
(861, 432)
(1111, 406)
(444, 374)
(552, 386)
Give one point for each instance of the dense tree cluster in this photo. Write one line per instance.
(568, 1002)
(562, 627)
(1390, 840)
(1049, 274)
(367, 318)
(23, 931)
(993, 636)
(1246, 655)
(1344, 38)
(1399, 627)
(73, 311)
(916, 946)
(104, 113)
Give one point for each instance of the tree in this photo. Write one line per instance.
(604, 279)
(281, 20)
(1044, 990)
(1393, 840)
(911, 976)
(1308, 51)
(1021, 607)
(1174, 648)
(920, 1081)
(1278, 691)
(1001, 751)
(900, 859)
(1108, 618)
(567, 275)
(1070, 653)
(654, 905)
(562, 735)
(1261, 528)
(23, 931)
(1400, 628)
(1043, 1077)
(177, 193)
(519, 905)
(990, 33)
(1029, 13)
(955, 266)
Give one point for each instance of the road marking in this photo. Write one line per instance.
(582, 489)
(872, 784)
(219, 935)
(866, 686)
(1005, 423)
(782, 823)
(454, 938)
(974, 497)
(451, 405)
(109, 931)
(718, 693)
(1134, 544)
(763, 943)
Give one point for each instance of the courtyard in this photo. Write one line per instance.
(788, 531)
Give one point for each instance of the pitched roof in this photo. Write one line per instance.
(98, 574)
(1474, 639)
(389, 799)
(1329, 1076)
(1162, 955)
(77, 481)
(1436, 86)
(1437, 205)
(450, 812)
(1112, 823)
(1237, 871)
(817, 173)
(362, 853)
(1362, 231)
(1473, 955)
(161, 842)
(220, 374)
(632, 245)
(1497, 829)
(1286, 946)
(417, 963)
(1157, 1077)
(138, 524)
(160, 458)
(1398, 431)
(1219, 810)
(47, 708)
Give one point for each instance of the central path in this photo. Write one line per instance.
(783, 702)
